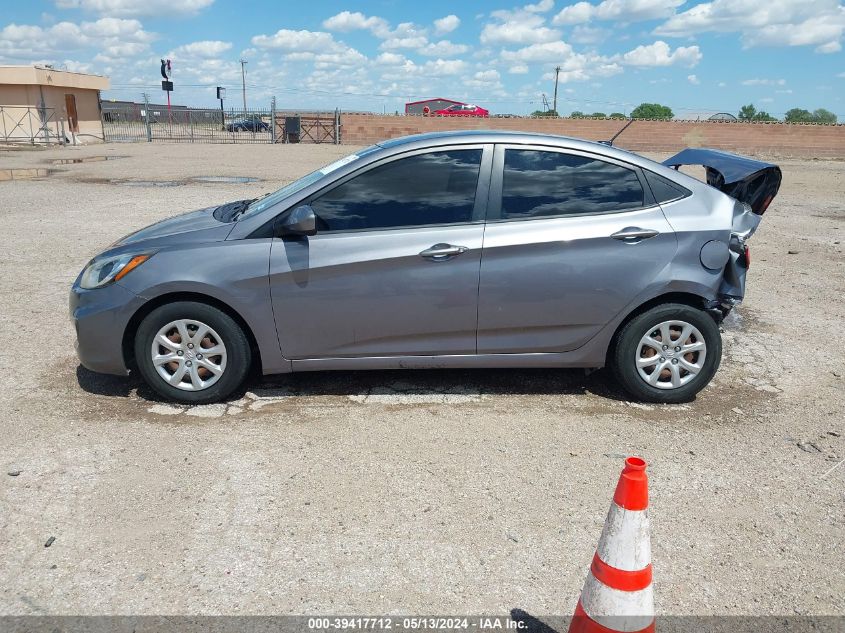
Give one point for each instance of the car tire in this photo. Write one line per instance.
(226, 342)
(666, 379)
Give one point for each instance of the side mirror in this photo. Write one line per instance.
(300, 221)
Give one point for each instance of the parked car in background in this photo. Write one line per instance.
(463, 109)
(251, 123)
(462, 249)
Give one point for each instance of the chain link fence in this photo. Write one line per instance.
(134, 122)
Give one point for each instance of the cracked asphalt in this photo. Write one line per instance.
(405, 492)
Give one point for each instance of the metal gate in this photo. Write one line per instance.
(28, 124)
(319, 127)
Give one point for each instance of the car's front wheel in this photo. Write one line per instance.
(667, 354)
(192, 352)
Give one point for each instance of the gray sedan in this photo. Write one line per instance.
(472, 249)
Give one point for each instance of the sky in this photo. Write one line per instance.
(696, 57)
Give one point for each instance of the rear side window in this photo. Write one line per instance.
(543, 184)
(664, 190)
(433, 188)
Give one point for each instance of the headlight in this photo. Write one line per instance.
(102, 271)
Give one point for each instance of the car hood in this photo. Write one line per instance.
(748, 180)
(194, 226)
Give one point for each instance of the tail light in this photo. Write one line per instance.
(747, 254)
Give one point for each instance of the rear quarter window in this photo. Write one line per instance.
(665, 190)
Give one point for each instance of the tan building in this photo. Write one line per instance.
(40, 104)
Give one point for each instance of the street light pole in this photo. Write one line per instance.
(554, 106)
(243, 81)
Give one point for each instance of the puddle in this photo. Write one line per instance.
(229, 179)
(28, 173)
(147, 183)
(87, 159)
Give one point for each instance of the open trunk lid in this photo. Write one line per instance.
(748, 180)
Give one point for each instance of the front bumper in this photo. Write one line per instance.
(100, 317)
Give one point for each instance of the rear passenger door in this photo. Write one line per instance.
(571, 239)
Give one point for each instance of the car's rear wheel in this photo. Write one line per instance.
(192, 352)
(667, 354)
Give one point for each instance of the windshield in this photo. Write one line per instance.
(298, 185)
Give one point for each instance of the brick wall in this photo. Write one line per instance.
(776, 139)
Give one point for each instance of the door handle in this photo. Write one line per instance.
(634, 234)
(440, 252)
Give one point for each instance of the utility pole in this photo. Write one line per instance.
(554, 107)
(243, 80)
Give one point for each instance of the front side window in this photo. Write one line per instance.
(433, 188)
(544, 184)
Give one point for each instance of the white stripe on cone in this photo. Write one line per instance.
(625, 542)
(617, 610)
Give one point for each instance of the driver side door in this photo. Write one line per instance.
(394, 267)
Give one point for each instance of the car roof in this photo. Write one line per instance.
(433, 139)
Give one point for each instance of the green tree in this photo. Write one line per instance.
(762, 115)
(824, 116)
(652, 111)
(747, 112)
(617, 115)
(598, 115)
(545, 113)
(750, 113)
(577, 114)
(798, 115)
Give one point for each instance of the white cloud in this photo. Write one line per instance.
(346, 21)
(695, 81)
(307, 41)
(390, 59)
(446, 24)
(519, 26)
(205, 48)
(574, 66)
(488, 76)
(443, 48)
(619, 10)
(659, 54)
(115, 38)
(417, 41)
(830, 47)
(541, 7)
(518, 69)
(820, 23)
(444, 67)
(575, 14)
(764, 82)
(76, 67)
(126, 8)
(545, 52)
(587, 35)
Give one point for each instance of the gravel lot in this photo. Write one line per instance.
(405, 492)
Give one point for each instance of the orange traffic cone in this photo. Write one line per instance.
(617, 595)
